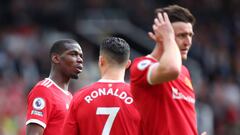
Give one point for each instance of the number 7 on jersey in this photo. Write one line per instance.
(112, 112)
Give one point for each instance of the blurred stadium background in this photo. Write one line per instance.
(29, 27)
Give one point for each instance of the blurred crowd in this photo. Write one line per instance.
(29, 27)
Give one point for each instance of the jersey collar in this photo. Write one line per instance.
(112, 81)
(64, 91)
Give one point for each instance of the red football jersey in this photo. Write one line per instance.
(103, 108)
(47, 106)
(167, 108)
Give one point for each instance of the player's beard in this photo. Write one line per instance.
(74, 76)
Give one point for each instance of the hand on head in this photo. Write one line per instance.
(162, 28)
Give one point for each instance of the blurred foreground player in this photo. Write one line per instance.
(105, 107)
(49, 100)
(160, 84)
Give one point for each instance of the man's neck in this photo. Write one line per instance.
(60, 80)
(113, 74)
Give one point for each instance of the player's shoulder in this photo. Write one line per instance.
(42, 87)
(124, 85)
(142, 62)
(139, 59)
(120, 85)
(185, 70)
(47, 83)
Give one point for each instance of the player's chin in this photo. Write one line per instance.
(75, 76)
(184, 57)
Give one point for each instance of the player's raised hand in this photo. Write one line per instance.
(162, 28)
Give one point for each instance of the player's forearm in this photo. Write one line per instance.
(170, 60)
(169, 66)
(34, 129)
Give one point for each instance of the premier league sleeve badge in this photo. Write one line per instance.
(38, 103)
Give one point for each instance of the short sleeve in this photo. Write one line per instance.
(139, 71)
(39, 106)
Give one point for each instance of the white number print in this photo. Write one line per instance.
(112, 112)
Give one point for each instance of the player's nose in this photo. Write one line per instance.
(79, 59)
(188, 41)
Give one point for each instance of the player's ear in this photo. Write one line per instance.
(100, 61)
(128, 64)
(55, 58)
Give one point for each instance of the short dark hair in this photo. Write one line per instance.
(177, 13)
(61, 45)
(115, 49)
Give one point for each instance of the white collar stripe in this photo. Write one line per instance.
(44, 82)
(52, 82)
(47, 83)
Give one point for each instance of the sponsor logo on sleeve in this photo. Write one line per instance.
(38, 113)
(143, 64)
(38, 103)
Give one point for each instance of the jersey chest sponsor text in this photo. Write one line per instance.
(108, 91)
(176, 94)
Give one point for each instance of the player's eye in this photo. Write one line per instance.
(183, 35)
(74, 53)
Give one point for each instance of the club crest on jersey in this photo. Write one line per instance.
(143, 64)
(188, 83)
(38, 103)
